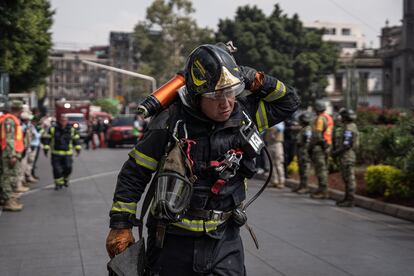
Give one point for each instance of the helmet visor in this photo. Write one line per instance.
(229, 92)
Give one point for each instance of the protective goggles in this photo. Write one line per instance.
(229, 92)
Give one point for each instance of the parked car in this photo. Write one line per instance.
(77, 120)
(121, 131)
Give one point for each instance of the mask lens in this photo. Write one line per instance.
(174, 191)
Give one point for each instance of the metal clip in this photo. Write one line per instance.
(216, 215)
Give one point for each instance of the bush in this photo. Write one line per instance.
(380, 179)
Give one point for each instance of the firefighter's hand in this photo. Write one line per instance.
(118, 240)
(45, 151)
(78, 152)
(12, 161)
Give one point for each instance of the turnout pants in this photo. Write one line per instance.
(201, 255)
(62, 168)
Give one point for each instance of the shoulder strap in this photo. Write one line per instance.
(173, 113)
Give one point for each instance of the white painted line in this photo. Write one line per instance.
(80, 179)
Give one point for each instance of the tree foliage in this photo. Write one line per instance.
(107, 105)
(25, 40)
(282, 47)
(164, 40)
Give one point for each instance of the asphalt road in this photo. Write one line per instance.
(63, 232)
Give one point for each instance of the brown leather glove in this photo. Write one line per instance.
(118, 240)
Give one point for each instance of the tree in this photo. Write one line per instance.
(25, 40)
(164, 40)
(282, 47)
(107, 105)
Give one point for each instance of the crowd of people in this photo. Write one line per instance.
(313, 139)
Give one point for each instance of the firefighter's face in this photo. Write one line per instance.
(63, 121)
(218, 109)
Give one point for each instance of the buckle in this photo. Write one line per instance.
(216, 215)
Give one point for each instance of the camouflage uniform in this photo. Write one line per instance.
(9, 176)
(320, 146)
(347, 144)
(304, 160)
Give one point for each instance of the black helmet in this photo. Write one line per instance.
(320, 106)
(305, 118)
(348, 114)
(211, 69)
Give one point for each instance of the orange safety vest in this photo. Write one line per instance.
(18, 133)
(327, 129)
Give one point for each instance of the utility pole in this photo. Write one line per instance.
(122, 71)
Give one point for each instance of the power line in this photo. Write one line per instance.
(354, 16)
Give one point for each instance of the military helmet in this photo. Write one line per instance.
(211, 71)
(348, 114)
(305, 118)
(320, 106)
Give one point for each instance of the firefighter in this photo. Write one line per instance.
(213, 124)
(61, 139)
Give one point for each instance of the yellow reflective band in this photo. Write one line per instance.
(198, 225)
(279, 92)
(62, 152)
(60, 181)
(197, 81)
(76, 137)
(46, 136)
(129, 207)
(261, 117)
(78, 147)
(245, 184)
(46, 147)
(144, 160)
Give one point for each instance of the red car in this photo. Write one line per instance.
(121, 131)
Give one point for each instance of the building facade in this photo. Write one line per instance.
(73, 80)
(397, 51)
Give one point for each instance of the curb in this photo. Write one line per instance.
(394, 210)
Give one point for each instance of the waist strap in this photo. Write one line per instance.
(209, 214)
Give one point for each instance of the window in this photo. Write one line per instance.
(346, 31)
(338, 83)
(330, 31)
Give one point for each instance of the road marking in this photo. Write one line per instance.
(80, 179)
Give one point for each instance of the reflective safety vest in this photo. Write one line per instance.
(18, 133)
(325, 126)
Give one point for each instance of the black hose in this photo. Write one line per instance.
(265, 184)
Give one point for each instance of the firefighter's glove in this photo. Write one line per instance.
(253, 80)
(45, 151)
(118, 240)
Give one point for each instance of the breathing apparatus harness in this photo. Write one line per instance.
(171, 188)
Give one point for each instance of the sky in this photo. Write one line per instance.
(79, 24)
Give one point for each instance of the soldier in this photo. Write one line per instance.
(304, 160)
(319, 147)
(12, 147)
(61, 139)
(345, 151)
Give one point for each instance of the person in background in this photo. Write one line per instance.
(61, 139)
(12, 148)
(304, 159)
(35, 146)
(320, 146)
(292, 128)
(347, 145)
(274, 141)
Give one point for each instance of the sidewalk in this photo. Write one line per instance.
(398, 211)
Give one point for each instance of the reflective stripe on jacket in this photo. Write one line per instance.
(18, 133)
